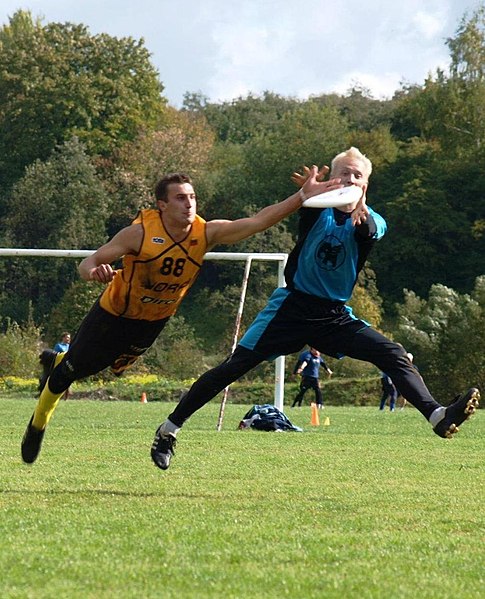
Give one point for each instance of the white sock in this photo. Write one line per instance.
(168, 427)
(437, 416)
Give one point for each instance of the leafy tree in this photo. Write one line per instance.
(57, 81)
(451, 108)
(71, 309)
(431, 204)
(366, 302)
(261, 175)
(467, 48)
(360, 109)
(127, 194)
(176, 352)
(446, 334)
(60, 203)
(403, 125)
(183, 143)
(239, 120)
(378, 145)
(195, 101)
(19, 349)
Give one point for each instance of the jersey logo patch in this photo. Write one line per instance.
(158, 240)
(330, 253)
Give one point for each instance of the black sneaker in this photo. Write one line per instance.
(47, 360)
(163, 449)
(31, 443)
(457, 412)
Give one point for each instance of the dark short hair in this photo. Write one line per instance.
(161, 188)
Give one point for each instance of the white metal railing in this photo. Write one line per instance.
(246, 256)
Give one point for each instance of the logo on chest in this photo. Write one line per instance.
(330, 253)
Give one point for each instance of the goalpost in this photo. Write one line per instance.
(248, 257)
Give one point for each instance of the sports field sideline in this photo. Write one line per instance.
(373, 505)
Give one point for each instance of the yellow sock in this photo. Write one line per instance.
(47, 402)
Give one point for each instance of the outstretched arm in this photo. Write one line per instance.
(226, 231)
(325, 367)
(97, 267)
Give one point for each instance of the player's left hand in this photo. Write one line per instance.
(299, 178)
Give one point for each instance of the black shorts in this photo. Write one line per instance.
(292, 319)
(104, 340)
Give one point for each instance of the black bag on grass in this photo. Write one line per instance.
(267, 418)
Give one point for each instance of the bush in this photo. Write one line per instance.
(19, 349)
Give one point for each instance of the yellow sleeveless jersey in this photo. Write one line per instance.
(151, 285)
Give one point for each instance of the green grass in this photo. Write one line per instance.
(374, 505)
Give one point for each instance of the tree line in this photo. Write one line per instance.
(85, 132)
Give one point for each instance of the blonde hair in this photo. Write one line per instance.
(355, 154)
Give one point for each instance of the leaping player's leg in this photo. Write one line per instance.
(99, 341)
(46, 404)
(277, 330)
(391, 358)
(201, 392)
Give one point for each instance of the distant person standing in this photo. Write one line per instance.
(308, 366)
(64, 343)
(389, 391)
(61, 347)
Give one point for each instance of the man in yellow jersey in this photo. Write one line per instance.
(162, 252)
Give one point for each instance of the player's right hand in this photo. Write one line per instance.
(102, 273)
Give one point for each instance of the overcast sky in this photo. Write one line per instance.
(226, 49)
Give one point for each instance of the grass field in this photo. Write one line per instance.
(374, 505)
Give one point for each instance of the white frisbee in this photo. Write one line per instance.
(335, 198)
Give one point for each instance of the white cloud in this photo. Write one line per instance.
(225, 49)
(428, 24)
(381, 86)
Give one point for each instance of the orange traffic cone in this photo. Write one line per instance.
(315, 417)
(143, 397)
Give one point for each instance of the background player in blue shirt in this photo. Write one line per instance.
(63, 344)
(308, 366)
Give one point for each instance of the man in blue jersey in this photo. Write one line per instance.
(321, 272)
(308, 366)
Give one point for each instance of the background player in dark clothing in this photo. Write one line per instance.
(308, 366)
(389, 391)
(321, 272)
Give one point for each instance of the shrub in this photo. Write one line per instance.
(19, 349)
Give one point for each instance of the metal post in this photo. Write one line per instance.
(279, 388)
(237, 325)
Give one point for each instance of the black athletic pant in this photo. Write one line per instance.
(104, 340)
(365, 344)
(308, 382)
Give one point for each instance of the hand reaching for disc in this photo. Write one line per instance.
(299, 179)
(360, 212)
